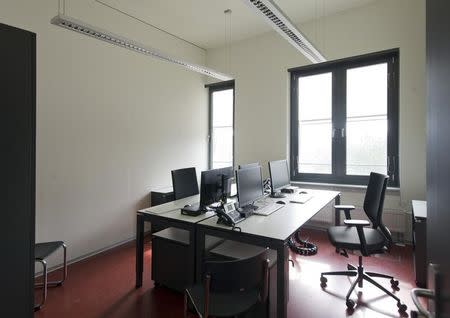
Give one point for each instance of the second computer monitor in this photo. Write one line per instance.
(249, 185)
(279, 174)
(215, 185)
(249, 165)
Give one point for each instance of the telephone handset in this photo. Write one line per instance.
(228, 214)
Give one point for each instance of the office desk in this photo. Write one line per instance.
(167, 215)
(271, 231)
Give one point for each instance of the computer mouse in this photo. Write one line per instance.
(187, 205)
(281, 202)
(303, 192)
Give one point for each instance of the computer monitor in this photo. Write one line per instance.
(279, 175)
(249, 185)
(249, 165)
(215, 185)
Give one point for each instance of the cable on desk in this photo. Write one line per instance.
(236, 228)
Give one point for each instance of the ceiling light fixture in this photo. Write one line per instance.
(86, 29)
(281, 23)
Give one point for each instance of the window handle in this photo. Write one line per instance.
(391, 167)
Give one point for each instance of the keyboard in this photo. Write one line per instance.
(300, 198)
(266, 208)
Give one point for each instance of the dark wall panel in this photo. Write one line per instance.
(438, 143)
(18, 126)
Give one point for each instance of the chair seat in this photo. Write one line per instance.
(44, 250)
(223, 305)
(346, 237)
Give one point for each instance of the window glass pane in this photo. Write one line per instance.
(222, 108)
(314, 110)
(222, 147)
(367, 119)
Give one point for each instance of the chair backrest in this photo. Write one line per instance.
(374, 201)
(184, 182)
(237, 275)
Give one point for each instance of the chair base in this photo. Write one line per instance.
(362, 276)
(46, 283)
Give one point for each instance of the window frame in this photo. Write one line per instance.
(216, 87)
(338, 69)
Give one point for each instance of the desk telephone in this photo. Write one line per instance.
(228, 214)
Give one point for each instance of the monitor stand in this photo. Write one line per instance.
(277, 195)
(247, 210)
(193, 210)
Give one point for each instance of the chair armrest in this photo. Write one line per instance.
(346, 209)
(357, 223)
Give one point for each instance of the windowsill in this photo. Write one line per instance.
(338, 186)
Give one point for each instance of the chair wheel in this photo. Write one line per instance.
(394, 283)
(350, 304)
(323, 280)
(401, 307)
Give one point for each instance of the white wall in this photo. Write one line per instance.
(260, 65)
(111, 123)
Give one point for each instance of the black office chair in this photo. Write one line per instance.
(230, 288)
(184, 182)
(41, 252)
(354, 236)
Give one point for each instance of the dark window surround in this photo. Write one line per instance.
(338, 68)
(215, 87)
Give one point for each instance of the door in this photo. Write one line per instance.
(438, 143)
(17, 178)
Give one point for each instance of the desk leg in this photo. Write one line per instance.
(139, 249)
(199, 252)
(337, 214)
(191, 261)
(282, 280)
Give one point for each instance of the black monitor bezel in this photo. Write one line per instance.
(243, 204)
(220, 173)
(271, 179)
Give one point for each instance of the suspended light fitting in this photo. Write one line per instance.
(84, 28)
(280, 22)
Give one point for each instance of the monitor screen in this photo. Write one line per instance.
(249, 185)
(279, 174)
(214, 184)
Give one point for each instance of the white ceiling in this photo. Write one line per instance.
(203, 22)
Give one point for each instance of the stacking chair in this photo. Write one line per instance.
(230, 288)
(184, 182)
(368, 241)
(41, 252)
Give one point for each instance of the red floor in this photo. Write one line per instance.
(103, 286)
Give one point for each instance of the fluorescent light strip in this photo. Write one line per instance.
(281, 23)
(83, 28)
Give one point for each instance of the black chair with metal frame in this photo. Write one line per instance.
(41, 252)
(184, 182)
(355, 236)
(230, 288)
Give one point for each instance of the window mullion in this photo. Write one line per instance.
(339, 122)
(392, 114)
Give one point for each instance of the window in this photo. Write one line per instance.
(344, 119)
(221, 124)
